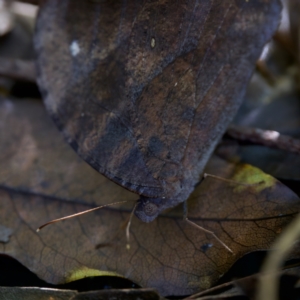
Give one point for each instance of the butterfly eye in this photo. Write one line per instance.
(150, 209)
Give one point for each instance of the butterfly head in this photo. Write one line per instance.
(149, 208)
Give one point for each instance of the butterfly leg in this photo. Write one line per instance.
(205, 175)
(125, 225)
(185, 218)
(128, 227)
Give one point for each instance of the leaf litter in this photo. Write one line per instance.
(167, 254)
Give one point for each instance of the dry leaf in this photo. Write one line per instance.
(167, 254)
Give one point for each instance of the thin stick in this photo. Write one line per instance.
(205, 175)
(78, 214)
(269, 138)
(128, 228)
(209, 232)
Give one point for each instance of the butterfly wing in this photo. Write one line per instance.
(143, 90)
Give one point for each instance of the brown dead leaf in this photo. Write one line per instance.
(34, 158)
(167, 254)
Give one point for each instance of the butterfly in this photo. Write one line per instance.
(144, 90)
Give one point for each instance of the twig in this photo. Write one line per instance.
(267, 138)
(18, 69)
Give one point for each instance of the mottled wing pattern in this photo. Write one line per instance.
(82, 48)
(143, 90)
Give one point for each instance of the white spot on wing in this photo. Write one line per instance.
(152, 43)
(74, 48)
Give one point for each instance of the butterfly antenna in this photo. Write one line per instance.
(128, 227)
(205, 175)
(78, 214)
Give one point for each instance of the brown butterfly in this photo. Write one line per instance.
(144, 90)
